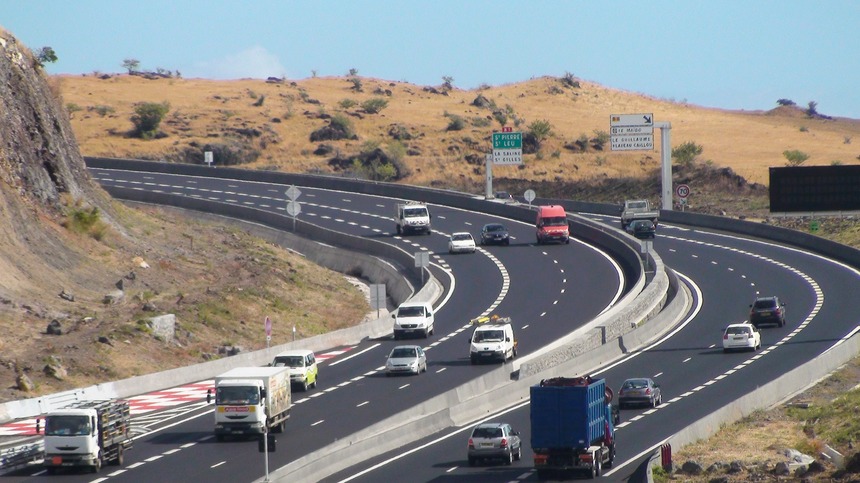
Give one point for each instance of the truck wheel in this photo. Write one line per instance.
(120, 457)
(98, 466)
(399, 230)
(305, 385)
(598, 468)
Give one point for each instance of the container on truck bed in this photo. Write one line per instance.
(87, 435)
(572, 426)
(251, 400)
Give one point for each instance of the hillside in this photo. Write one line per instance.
(94, 270)
(268, 125)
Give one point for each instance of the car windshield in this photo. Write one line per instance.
(555, 221)
(492, 228)
(764, 304)
(487, 432)
(635, 384)
(403, 352)
(461, 237)
(289, 361)
(410, 312)
(489, 335)
(67, 426)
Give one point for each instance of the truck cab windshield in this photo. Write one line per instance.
(555, 221)
(410, 312)
(67, 426)
(237, 395)
(414, 212)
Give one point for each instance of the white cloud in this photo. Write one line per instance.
(255, 62)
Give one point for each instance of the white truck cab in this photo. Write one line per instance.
(412, 217)
(413, 318)
(492, 340)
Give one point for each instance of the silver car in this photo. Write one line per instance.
(406, 359)
(640, 390)
(494, 441)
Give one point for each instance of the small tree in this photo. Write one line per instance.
(795, 157)
(45, 55)
(147, 117)
(353, 72)
(455, 122)
(374, 105)
(685, 154)
(447, 82)
(540, 130)
(356, 84)
(812, 109)
(131, 65)
(785, 102)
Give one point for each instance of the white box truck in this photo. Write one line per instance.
(251, 401)
(86, 435)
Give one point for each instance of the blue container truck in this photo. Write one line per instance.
(572, 426)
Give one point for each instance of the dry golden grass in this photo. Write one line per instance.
(203, 111)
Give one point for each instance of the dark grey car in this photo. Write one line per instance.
(767, 310)
(494, 441)
(495, 234)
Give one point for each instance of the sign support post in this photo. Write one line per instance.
(666, 164)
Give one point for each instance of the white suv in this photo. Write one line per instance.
(413, 318)
(741, 336)
(303, 367)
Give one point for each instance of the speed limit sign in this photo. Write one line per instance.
(682, 191)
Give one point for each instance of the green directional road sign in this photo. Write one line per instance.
(507, 148)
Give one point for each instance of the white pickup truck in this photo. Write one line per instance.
(638, 210)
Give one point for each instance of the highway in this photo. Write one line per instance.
(548, 291)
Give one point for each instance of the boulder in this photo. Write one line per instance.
(55, 369)
(54, 328)
(692, 467)
(23, 383)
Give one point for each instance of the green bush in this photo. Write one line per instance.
(600, 138)
(795, 157)
(103, 110)
(540, 130)
(374, 105)
(356, 84)
(147, 117)
(347, 103)
(342, 123)
(685, 153)
(455, 122)
(479, 121)
(785, 102)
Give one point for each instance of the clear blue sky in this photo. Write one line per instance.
(732, 54)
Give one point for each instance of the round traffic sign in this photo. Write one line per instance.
(682, 191)
(529, 195)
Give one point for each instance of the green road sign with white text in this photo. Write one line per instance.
(507, 140)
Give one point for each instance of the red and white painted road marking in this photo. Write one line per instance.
(153, 401)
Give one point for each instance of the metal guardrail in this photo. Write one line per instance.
(22, 455)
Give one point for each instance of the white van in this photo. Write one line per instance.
(493, 341)
(303, 367)
(413, 318)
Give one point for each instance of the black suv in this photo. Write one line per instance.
(767, 310)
